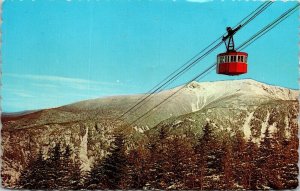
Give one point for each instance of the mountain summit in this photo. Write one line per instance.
(193, 97)
(190, 98)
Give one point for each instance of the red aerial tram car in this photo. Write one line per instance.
(231, 62)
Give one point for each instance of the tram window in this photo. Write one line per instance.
(246, 58)
(226, 58)
(242, 58)
(233, 58)
(219, 59)
(222, 59)
(239, 58)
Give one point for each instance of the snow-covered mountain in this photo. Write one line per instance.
(250, 120)
(193, 97)
(88, 126)
(240, 92)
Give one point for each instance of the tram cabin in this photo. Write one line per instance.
(232, 63)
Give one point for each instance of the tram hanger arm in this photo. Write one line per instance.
(231, 32)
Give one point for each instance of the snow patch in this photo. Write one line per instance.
(228, 128)
(192, 120)
(246, 126)
(140, 130)
(196, 106)
(264, 126)
(177, 122)
(287, 129)
(85, 163)
(214, 125)
(273, 128)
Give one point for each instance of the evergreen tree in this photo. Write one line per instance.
(240, 161)
(179, 153)
(70, 172)
(137, 168)
(287, 156)
(252, 175)
(95, 176)
(56, 172)
(54, 168)
(32, 177)
(157, 150)
(75, 176)
(209, 154)
(170, 161)
(227, 177)
(275, 161)
(110, 173)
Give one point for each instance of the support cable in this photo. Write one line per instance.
(173, 76)
(253, 38)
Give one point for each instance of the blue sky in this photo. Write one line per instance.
(59, 52)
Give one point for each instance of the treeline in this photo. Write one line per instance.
(175, 162)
